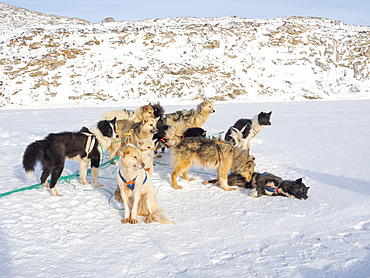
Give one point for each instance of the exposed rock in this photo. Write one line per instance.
(108, 19)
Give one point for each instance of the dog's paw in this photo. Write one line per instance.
(229, 189)
(133, 221)
(149, 219)
(253, 193)
(177, 186)
(125, 220)
(98, 185)
(158, 156)
(46, 184)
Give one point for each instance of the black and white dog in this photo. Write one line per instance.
(244, 130)
(268, 184)
(84, 146)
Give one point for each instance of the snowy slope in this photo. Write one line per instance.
(20, 17)
(227, 58)
(217, 233)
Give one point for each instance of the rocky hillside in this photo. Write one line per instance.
(179, 58)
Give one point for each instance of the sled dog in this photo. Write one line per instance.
(194, 117)
(211, 154)
(146, 147)
(244, 130)
(84, 146)
(138, 115)
(131, 132)
(269, 184)
(136, 190)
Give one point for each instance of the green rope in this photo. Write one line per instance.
(68, 178)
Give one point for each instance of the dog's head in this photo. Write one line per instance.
(145, 144)
(158, 110)
(108, 128)
(247, 169)
(130, 157)
(207, 105)
(237, 136)
(243, 163)
(147, 111)
(297, 189)
(194, 132)
(150, 125)
(264, 118)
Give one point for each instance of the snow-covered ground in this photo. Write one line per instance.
(217, 233)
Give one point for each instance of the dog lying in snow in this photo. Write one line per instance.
(268, 184)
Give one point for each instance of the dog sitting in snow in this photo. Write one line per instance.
(136, 190)
(130, 132)
(244, 130)
(268, 184)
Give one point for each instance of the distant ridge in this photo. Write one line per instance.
(19, 17)
(53, 61)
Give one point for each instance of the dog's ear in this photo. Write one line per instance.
(270, 113)
(145, 120)
(124, 152)
(114, 120)
(298, 180)
(156, 119)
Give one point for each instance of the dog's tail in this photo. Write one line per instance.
(159, 217)
(33, 153)
(175, 132)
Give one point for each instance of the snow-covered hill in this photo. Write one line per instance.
(19, 17)
(179, 58)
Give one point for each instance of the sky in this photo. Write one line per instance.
(352, 12)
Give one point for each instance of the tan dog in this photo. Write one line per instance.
(136, 190)
(146, 147)
(131, 132)
(208, 153)
(136, 116)
(192, 118)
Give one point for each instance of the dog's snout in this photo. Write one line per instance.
(117, 135)
(142, 165)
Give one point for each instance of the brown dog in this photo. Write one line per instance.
(138, 115)
(209, 153)
(130, 132)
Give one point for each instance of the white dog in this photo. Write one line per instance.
(136, 190)
(146, 147)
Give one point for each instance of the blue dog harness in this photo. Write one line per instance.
(131, 184)
(270, 189)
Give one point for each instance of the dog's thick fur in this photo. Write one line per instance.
(146, 147)
(145, 111)
(158, 111)
(130, 132)
(268, 184)
(244, 130)
(192, 118)
(169, 136)
(142, 200)
(83, 146)
(211, 154)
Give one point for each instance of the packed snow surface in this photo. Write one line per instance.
(217, 233)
